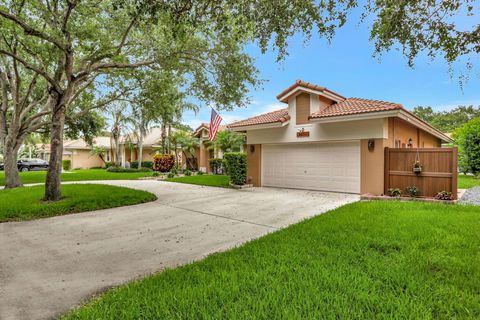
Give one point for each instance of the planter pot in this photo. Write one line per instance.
(417, 169)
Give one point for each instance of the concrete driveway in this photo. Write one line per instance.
(50, 265)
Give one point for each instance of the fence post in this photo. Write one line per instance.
(454, 172)
(386, 166)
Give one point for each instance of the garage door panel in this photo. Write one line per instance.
(317, 166)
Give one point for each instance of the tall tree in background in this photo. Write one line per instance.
(142, 119)
(118, 129)
(448, 121)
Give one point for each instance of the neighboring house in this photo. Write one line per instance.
(79, 152)
(324, 141)
(204, 152)
(152, 143)
(81, 157)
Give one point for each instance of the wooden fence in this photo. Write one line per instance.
(439, 170)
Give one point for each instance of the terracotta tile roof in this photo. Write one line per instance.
(279, 116)
(355, 106)
(301, 83)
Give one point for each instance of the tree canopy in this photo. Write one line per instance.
(449, 120)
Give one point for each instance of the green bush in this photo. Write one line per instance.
(121, 169)
(174, 170)
(395, 192)
(109, 164)
(66, 164)
(200, 173)
(170, 175)
(468, 140)
(145, 164)
(156, 174)
(413, 191)
(236, 165)
(216, 165)
(163, 162)
(187, 172)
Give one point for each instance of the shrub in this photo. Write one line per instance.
(163, 162)
(174, 170)
(121, 169)
(187, 172)
(236, 164)
(66, 164)
(170, 175)
(200, 173)
(109, 164)
(155, 174)
(216, 165)
(468, 139)
(145, 164)
(444, 195)
(395, 192)
(412, 191)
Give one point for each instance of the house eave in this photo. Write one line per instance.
(400, 113)
(299, 89)
(260, 126)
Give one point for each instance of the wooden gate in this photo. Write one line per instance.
(439, 170)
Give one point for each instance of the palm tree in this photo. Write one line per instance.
(184, 142)
(119, 121)
(228, 141)
(141, 121)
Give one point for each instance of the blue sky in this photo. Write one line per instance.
(347, 67)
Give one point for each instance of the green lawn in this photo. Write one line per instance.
(205, 180)
(402, 260)
(25, 203)
(78, 175)
(466, 182)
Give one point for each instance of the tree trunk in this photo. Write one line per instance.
(12, 178)
(117, 151)
(168, 138)
(140, 151)
(164, 134)
(53, 181)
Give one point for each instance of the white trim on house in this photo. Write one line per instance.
(261, 126)
(402, 114)
(292, 93)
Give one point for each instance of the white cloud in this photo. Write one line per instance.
(454, 104)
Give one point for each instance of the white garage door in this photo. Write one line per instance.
(315, 166)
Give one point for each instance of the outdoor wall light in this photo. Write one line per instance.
(252, 148)
(371, 144)
(410, 143)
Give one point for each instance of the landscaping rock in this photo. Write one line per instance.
(471, 196)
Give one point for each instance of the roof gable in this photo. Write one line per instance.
(303, 86)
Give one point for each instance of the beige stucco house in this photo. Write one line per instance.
(322, 140)
(79, 152)
(204, 152)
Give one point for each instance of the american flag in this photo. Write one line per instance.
(215, 121)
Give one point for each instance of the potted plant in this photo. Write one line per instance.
(444, 195)
(417, 167)
(412, 191)
(395, 192)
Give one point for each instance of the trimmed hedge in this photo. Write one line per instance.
(145, 164)
(66, 164)
(236, 163)
(216, 165)
(121, 169)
